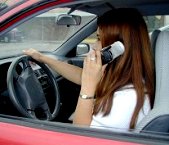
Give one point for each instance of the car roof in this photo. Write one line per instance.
(146, 7)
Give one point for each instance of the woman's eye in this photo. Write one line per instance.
(98, 37)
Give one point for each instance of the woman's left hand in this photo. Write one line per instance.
(92, 73)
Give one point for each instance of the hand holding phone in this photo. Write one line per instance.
(109, 53)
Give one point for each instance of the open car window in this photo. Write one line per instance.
(156, 22)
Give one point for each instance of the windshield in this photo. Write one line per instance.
(41, 32)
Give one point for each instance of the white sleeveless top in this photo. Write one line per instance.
(124, 103)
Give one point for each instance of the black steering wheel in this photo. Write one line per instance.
(26, 91)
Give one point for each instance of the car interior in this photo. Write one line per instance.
(157, 119)
(61, 95)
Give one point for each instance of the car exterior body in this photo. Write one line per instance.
(37, 20)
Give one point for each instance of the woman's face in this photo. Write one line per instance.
(97, 45)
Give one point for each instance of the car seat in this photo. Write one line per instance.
(157, 121)
(153, 39)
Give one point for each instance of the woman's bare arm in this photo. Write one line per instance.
(91, 75)
(68, 71)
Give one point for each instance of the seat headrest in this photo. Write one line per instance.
(162, 69)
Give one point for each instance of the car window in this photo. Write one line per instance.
(42, 32)
(156, 22)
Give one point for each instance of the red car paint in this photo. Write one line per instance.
(18, 8)
(21, 135)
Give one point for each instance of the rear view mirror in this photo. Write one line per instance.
(66, 19)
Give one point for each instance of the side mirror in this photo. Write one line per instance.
(82, 49)
(66, 19)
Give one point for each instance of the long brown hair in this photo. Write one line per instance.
(135, 66)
